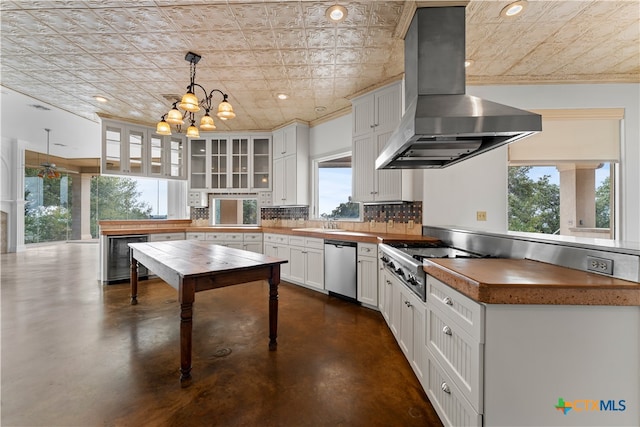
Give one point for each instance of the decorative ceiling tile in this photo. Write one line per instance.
(67, 51)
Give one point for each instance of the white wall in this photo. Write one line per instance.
(452, 195)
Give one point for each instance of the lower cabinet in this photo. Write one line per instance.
(165, 237)
(367, 274)
(277, 246)
(307, 261)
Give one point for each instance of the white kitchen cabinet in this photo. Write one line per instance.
(252, 242)
(387, 296)
(166, 156)
(129, 149)
(231, 240)
(307, 261)
(277, 246)
(165, 237)
(375, 117)
(124, 149)
(291, 165)
(191, 235)
(223, 163)
(367, 274)
(411, 331)
(378, 111)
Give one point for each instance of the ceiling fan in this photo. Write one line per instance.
(49, 170)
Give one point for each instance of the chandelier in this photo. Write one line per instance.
(190, 104)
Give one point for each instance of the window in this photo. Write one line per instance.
(234, 211)
(332, 184)
(47, 211)
(566, 199)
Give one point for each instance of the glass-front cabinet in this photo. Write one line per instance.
(230, 163)
(129, 149)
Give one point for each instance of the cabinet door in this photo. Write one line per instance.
(279, 182)
(387, 182)
(381, 283)
(314, 268)
(368, 280)
(396, 307)
(198, 166)
(218, 164)
(419, 361)
(261, 164)
(240, 163)
(363, 167)
(252, 247)
(387, 308)
(363, 115)
(112, 146)
(157, 156)
(174, 164)
(298, 264)
(124, 150)
(405, 337)
(388, 108)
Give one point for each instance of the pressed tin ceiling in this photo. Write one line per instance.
(65, 53)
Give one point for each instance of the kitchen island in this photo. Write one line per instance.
(195, 266)
(521, 342)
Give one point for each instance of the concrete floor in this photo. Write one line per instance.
(75, 353)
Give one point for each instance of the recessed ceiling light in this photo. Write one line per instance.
(336, 13)
(513, 9)
(100, 98)
(283, 96)
(468, 63)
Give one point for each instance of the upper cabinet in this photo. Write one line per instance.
(291, 165)
(378, 111)
(375, 116)
(129, 149)
(230, 163)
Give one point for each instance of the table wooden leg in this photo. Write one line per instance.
(134, 281)
(187, 296)
(274, 280)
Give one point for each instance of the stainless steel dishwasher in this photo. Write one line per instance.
(340, 268)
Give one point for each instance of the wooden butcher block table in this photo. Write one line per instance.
(192, 266)
(522, 281)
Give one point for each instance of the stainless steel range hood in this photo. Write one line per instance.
(442, 125)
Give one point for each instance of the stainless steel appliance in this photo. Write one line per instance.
(118, 267)
(442, 125)
(340, 268)
(404, 261)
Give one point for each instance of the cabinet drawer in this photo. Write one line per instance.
(282, 239)
(226, 237)
(462, 310)
(252, 237)
(458, 353)
(367, 249)
(449, 403)
(195, 236)
(296, 241)
(311, 242)
(160, 237)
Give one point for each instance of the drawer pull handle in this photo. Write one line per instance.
(447, 330)
(448, 301)
(445, 387)
(407, 303)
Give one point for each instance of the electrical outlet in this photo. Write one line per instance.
(481, 215)
(390, 223)
(600, 265)
(410, 224)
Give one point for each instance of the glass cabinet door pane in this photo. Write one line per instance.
(113, 149)
(156, 155)
(177, 157)
(135, 151)
(198, 171)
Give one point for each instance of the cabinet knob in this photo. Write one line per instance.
(448, 301)
(407, 303)
(445, 387)
(446, 330)
(388, 282)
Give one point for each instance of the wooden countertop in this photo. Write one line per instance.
(522, 281)
(122, 228)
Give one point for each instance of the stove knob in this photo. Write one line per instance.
(399, 272)
(392, 265)
(412, 279)
(384, 259)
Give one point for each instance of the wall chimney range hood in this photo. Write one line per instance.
(442, 125)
